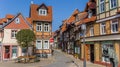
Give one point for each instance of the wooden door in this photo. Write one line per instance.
(87, 52)
(7, 52)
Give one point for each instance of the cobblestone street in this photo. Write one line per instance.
(59, 59)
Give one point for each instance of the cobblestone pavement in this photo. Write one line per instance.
(42, 63)
(59, 59)
(65, 60)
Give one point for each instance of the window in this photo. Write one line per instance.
(17, 20)
(103, 28)
(105, 52)
(24, 50)
(46, 27)
(39, 44)
(102, 6)
(46, 44)
(113, 4)
(114, 26)
(39, 26)
(43, 12)
(92, 31)
(89, 14)
(13, 33)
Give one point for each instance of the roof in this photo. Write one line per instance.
(87, 20)
(36, 17)
(63, 28)
(9, 16)
(22, 25)
(72, 17)
(90, 5)
(29, 20)
(82, 16)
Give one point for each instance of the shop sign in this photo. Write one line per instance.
(89, 42)
(107, 42)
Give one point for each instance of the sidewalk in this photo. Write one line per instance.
(79, 63)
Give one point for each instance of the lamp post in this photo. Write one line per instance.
(83, 27)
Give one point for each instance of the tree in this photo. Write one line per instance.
(25, 38)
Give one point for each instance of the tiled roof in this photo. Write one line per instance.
(36, 17)
(82, 16)
(3, 20)
(13, 25)
(29, 20)
(72, 17)
(87, 20)
(90, 5)
(9, 16)
(64, 28)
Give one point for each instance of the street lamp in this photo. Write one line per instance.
(83, 27)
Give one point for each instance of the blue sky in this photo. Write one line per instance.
(62, 9)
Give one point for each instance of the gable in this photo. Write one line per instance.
(21, 25)
(42, 6)
(34, 14)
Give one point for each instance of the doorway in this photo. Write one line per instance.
(7, 52)
(92, 53)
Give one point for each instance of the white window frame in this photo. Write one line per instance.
(103, 28)
(101, 7)
(17, 20)
(46, 27)
(39, 27)
(92, 31)
(44, 45)
(39, 46)
(90, 14)
(116, 30)
(112, 2)
(43, 12)
(13, 33)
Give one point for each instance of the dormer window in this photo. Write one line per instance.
(43, 12)
(17, 20)
(90, 14)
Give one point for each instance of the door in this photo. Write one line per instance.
(14, 52)
(92, 52)
(7, 52)
(87, 51)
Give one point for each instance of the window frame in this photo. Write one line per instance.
(17, 20)
(112, 3)
(103, 7)
(39, 26)
(41, 45)
(91, 31)
(44, 45)
(101, 28)
(115, 27)
(46, 28)
(42, 12)
(13, 34)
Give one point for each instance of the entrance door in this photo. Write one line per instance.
(7, 52)
(92, 52)
(87, 51)
(14, 52)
